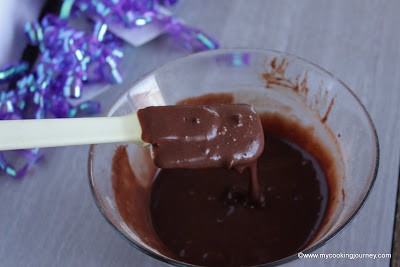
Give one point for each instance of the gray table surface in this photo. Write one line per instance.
(50, 219)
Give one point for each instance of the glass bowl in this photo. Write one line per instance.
(271, 81)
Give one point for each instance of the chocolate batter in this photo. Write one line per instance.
(206, 217)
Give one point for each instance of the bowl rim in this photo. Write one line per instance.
(211, 53)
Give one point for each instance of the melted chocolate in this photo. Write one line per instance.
(201, 136)
(206, 217)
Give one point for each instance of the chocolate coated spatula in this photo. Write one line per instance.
(186, 136)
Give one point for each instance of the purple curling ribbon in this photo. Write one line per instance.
(71, 58)
(139, 13)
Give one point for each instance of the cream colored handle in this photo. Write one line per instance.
(21, 134)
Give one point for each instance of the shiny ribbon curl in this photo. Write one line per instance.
(71, 58)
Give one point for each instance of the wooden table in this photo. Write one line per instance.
(50, 219)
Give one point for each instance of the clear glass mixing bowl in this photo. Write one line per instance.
(271, 81)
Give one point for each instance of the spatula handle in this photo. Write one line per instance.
(21, 134)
